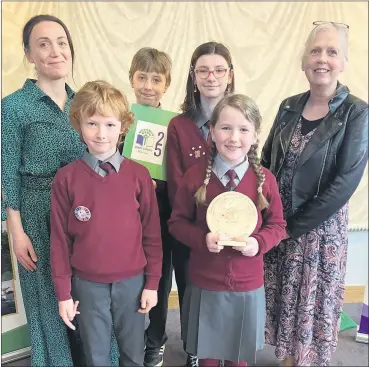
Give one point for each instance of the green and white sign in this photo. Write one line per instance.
(146, 140)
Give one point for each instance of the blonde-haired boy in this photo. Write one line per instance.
(105, 232)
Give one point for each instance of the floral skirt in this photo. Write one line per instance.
(304, 289)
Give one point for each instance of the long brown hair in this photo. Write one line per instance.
(191, 104)
(251, 112)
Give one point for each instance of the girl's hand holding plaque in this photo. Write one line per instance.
(214, 240)
(251, 247)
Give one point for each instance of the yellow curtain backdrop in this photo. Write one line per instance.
(265, 40)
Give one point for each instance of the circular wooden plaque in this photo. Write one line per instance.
(232, 213)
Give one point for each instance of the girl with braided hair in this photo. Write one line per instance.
(224, 303)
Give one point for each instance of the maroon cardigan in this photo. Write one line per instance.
(228, 270)
(185, 147)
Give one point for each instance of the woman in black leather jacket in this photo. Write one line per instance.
(318, 150)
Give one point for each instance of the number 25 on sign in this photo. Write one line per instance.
(147, 138)
(149, 142)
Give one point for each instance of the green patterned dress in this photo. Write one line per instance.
(37, 140)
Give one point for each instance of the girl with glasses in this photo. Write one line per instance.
(210, 77)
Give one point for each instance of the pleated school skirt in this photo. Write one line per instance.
(223, 325)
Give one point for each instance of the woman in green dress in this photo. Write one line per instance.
(37, 140)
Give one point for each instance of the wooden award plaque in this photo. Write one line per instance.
(233, 214)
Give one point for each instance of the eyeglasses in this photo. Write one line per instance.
(338, 25)
(205, 73)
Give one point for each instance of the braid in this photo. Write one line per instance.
(200, 194)
(260, 175)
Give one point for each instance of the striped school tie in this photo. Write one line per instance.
(107, 167)
(231, 185)
(208, 139)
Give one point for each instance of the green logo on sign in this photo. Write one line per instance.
(145, 138)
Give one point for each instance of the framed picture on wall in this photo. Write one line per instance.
(8, 298)
(15, 343)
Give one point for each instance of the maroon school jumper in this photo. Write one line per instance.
(228, 270)
(121, 239)
(185, 147)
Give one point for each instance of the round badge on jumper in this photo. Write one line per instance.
(82, 213)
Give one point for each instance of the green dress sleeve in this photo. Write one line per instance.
(11, 155)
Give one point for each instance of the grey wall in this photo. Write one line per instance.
(357, 258)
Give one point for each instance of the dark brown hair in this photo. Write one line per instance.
(28, 27)
(251, 112)
(191, 104)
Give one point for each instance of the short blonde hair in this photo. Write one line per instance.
(100, 97)
(342, 32)
(150, 60)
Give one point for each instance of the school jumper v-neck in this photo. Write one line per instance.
(122, 237)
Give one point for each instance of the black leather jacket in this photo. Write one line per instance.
(332, 164)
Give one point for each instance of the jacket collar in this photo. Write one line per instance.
(297, 104)
(326, 129)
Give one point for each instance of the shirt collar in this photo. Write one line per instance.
(159, 106)
(32, 89)
(220, 167)
(115, 160)
(69, 91)
(201, 119)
